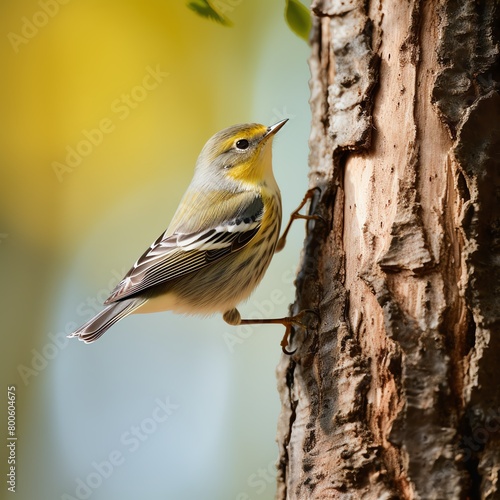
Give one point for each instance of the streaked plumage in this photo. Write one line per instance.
(220, 241)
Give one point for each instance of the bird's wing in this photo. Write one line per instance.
(175, 255)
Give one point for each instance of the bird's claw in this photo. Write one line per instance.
(295, 320)
(287, 352)
(284, 341)
(297, 215)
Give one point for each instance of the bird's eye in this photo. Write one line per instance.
(242, 144)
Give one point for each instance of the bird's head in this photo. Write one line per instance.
(238, 157)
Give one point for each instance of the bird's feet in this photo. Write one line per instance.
(297, 215)
(233, 317)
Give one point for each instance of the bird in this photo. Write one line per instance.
(219, 243)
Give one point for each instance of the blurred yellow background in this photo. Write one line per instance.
(105, 107)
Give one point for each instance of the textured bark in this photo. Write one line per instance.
(395, 392)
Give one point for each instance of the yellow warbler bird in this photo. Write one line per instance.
(219, 243)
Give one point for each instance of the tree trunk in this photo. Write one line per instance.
(395, 391)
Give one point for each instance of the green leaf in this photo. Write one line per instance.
(298, 18)
(204, 9)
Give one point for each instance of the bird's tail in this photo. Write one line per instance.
(98, 325)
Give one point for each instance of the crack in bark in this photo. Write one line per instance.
(284, 458)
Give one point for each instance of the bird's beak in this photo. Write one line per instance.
(274, 128)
